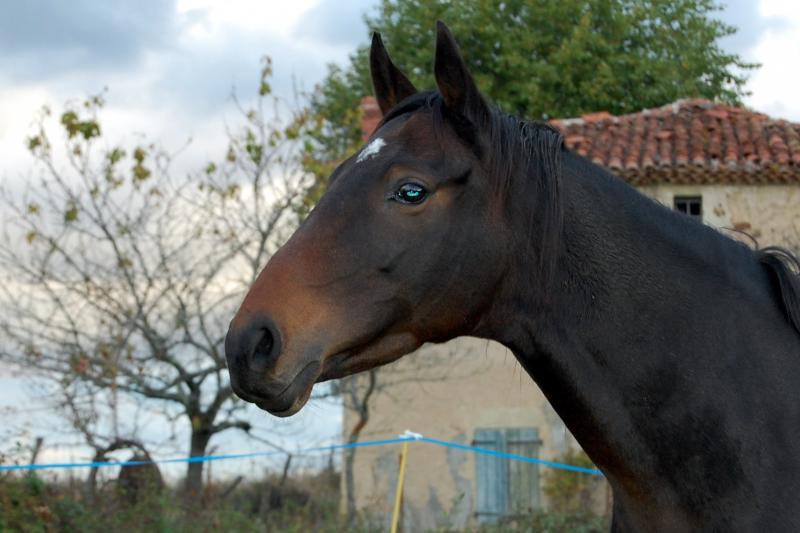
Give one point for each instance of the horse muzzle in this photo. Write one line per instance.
(252, 352)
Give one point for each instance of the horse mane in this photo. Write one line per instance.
(785, 268)
(518, 149)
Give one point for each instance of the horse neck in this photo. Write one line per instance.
(633, 287)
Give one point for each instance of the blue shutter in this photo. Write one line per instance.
(523, 478)
(491, 477)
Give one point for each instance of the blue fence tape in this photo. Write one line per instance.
(512, 456)
(361, 444)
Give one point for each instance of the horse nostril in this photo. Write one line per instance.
(264, 346)
(265, 351)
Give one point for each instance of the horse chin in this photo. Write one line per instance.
(289, 400)
(380, 351)
(294, 408)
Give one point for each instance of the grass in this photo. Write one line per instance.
(28, 504)
(298, 504)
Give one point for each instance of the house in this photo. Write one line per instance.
(733, 168)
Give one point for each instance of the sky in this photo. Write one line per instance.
(169, 68)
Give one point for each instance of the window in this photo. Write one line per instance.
(690, 205)
(506, 488)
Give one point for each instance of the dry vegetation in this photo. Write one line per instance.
(302, 503)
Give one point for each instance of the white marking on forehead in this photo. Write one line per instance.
(371, 150)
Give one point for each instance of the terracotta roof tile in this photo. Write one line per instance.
(370, 116)
(689, 142)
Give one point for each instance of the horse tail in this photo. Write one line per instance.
(785, 267)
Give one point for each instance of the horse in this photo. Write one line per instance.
(671, 351)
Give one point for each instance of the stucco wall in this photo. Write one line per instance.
(479, 385)
(769, 213)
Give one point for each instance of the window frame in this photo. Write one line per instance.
(689, 200)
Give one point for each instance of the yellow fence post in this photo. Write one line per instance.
(398, 495)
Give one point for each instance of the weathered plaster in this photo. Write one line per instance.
(768, 213)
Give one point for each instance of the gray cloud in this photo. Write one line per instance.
(80, 46)
(336, 22)
(750, 25)
(42, 39)
(202, 79)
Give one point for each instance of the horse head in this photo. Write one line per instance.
(408, 245)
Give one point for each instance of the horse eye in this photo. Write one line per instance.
(410, 193)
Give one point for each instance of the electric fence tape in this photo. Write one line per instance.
(406, 437)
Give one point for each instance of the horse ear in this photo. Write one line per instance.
(454, 80)
(391, 86)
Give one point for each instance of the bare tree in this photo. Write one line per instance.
(94, 413)
(357, 397)
(359, 393)
(123, 277)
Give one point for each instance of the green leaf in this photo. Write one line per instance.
(140, 172)
(34, 142)
(71, 214)
(253, 148)
(139, 154)
(115, 155)
(73, 125)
